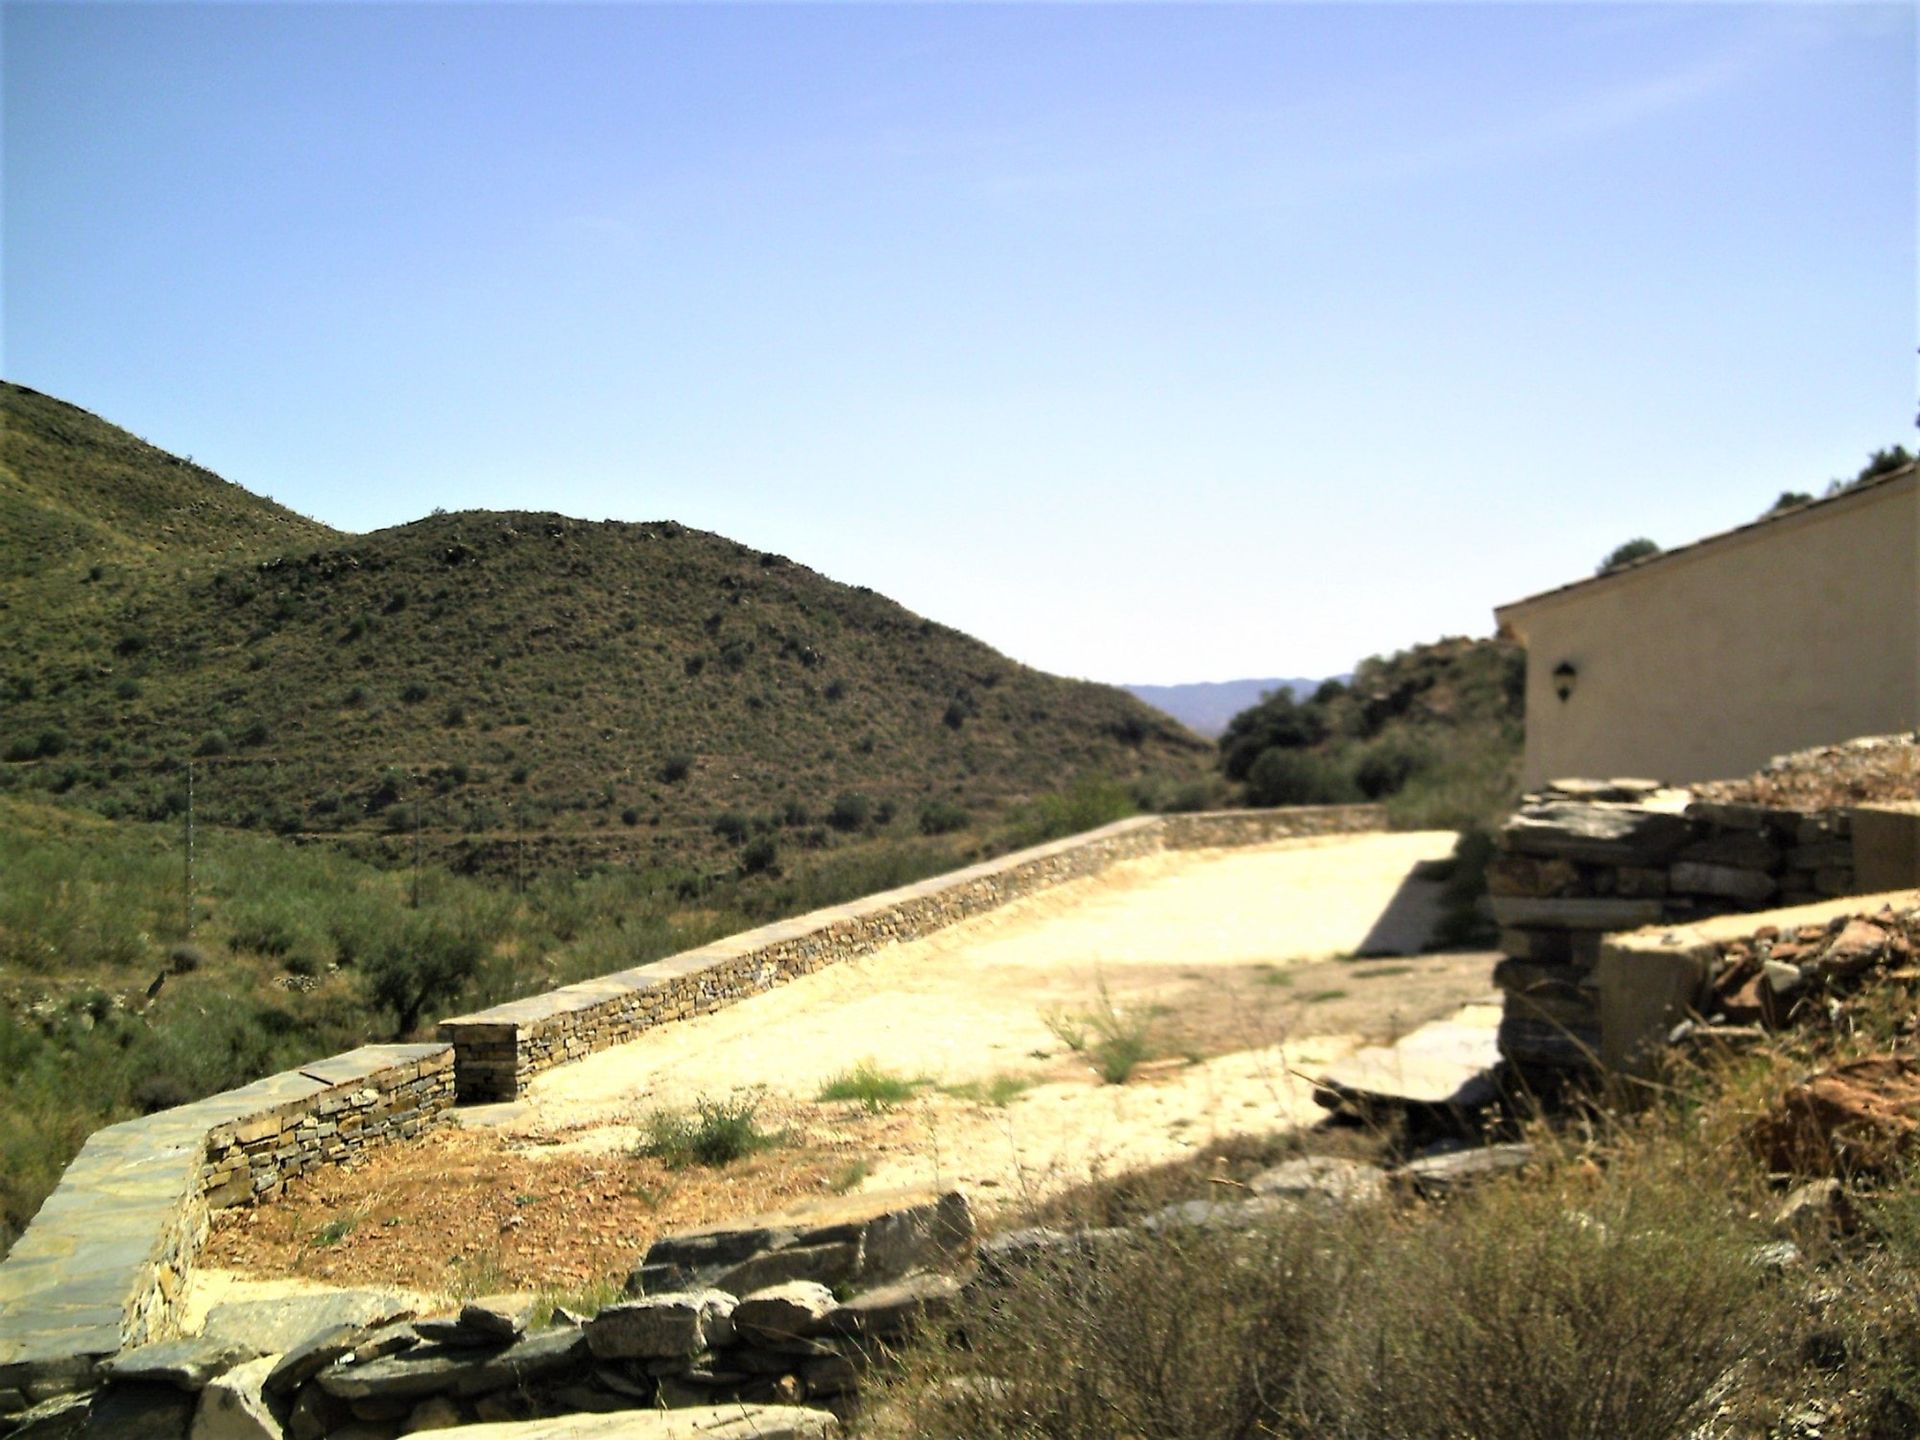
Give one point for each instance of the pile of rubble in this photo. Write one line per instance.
(1873, 768)
(1773, 978)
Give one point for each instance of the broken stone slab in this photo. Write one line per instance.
(662, 1326)
(1629, 790)
(284, 1323)
(830, 1265)
(847, 1240)
(1599, 834)
(1741, 849)
(1548, 1045)
(1331, 1179)
(475, 1325)
(186, 1364)
(892, 1309)
(539, 1356)
(674, 1262)
(1446, 1173)
(795, 1310)
(234, 1406)
(412, 1376)
(1445, 1063)
(309, 1358)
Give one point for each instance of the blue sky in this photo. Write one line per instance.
(1148, 343)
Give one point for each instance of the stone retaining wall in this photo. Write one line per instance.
(498, 1050)
(103, 1264)
(1582, 859)
(105, 1261)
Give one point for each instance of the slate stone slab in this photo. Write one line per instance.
(234, 1406)
(1329, 1178)
(661, 1326)
(798, 1309)
(284, 1323)
(1599, 834)
(1443, 1174)
(539, 1356)
(186, 1364)
(890, 1310)
(140, 1411)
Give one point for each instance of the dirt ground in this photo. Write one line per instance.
(1233, 969)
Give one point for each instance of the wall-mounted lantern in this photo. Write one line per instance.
(1563, 677)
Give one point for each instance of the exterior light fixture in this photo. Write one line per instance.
(1563, 677)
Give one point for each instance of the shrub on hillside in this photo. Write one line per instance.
(942, 817)
(1298, 777)
(850, 811)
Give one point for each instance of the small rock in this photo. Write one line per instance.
(892, 1309)
(1323, 1177)
(662, 1326)
(781, 1312)
(1776, 1256)
(234, 1406)
(438, 1413)
(1432, 1176)
(1813, 1205)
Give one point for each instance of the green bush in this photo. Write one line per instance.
(850, 811)
(1087, 804)
(942, 817)
(731, 827)
(716, 1133)
(760, 857)
(1298, 777)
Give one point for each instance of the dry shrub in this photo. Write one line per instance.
(1569, 1306)
(1194, 1333)
(1576, 1307)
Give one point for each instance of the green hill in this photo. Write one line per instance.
(534, 685)
(1434, 730)
(75, 488)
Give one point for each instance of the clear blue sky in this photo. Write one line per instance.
(1148, 343)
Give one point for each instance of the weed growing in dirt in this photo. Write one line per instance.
(714, 1133)
(997, 1090)
(1116, 1038)
(874, 1088)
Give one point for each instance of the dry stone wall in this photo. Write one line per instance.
(105, 1261)
(1582, 859)
(103, 1265)
(500, 1049)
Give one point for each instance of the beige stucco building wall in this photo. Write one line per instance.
(1704, 662)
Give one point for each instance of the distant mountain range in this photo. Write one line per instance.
(1206, 706)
